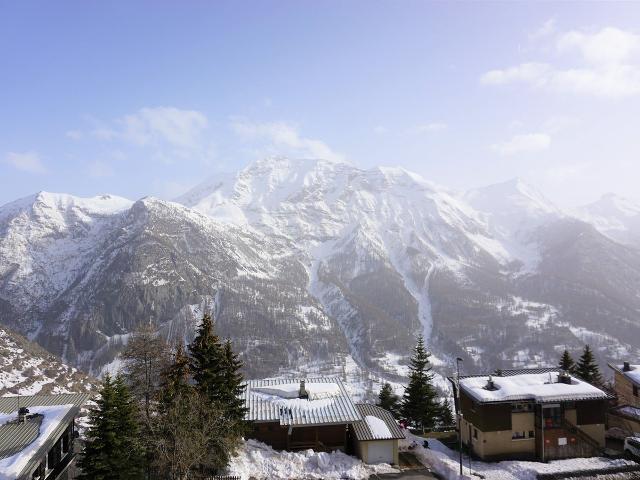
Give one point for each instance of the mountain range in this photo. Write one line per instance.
(321, 265)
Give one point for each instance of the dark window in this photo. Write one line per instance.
(635, 391)
(517, 435)
(552, 417)
(475, 433)
(531, 434)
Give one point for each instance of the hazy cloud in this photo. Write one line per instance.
(609, 66)
(284, 139)
(523, 143)
(27, 162)
(429, 127)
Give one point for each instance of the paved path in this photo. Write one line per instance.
(419, 474)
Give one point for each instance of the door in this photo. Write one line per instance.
(380, 452)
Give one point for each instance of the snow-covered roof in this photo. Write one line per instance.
(377, 424)
(539, 387)
(632, 374)
(276, 400)
(24, 445)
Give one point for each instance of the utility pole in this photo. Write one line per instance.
(459, 409)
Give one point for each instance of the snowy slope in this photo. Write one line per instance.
(615, 216)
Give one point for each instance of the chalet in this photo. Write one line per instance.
(376, 435)
(299, 414)
(541, 414)
(626, 415)
(37, 435)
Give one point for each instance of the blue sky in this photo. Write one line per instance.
(149, 98)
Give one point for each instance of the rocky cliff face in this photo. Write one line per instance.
(314, 263)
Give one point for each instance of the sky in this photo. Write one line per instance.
(141, 98)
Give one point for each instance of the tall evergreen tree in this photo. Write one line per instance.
(566, 362)
(587, 368)
(207, 361)
(388, 400)
(233, 386)
(113, 450)
(419, 404)
(176, 376)
(445, 414)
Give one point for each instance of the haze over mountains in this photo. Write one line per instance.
(311, 262)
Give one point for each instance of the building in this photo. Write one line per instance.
(376, 435)
(540, 414)
(299, 414)
(37, 435)
(626, 415)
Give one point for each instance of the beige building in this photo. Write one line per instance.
(376, 435)
(626, 415)
(541, 414)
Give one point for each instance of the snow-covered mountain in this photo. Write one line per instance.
(615, 216)
(311, 263)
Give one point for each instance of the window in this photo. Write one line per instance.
(552, 417)
(475, 433)
(635, 390)
(521, 407)
(518, 436)
(531, 434)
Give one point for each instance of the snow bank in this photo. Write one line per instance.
(259, 461)
(445, 462)
(11, 467)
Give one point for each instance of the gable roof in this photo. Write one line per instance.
(632, 375)
(276, 400)
(18, 437)
(363, 429)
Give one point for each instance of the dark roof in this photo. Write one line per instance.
(362, 430)
(16, 437)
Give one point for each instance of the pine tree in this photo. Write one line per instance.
(233, 386)
(566, 362)
(419, 404)
(445, 415)
(113, 451)
(175, 377)
(587, 368)
(389, 400)
(207, 361)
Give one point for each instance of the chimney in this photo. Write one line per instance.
(302, 393)
(22, 414)
(564, 377)
(490, 384)
(626, 367)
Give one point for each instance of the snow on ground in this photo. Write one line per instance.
(259, 461)
(444, 461)
(11, 467)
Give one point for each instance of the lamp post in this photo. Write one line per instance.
(459, 409)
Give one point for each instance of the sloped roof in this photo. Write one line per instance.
(275, 400)
(363, 430)
(633, 374)
(16, 437)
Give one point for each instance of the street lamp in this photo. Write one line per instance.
(459, 409)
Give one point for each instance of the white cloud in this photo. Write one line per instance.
(284, 139)
(27, 161)
(523, 143)
(99, 169)
(429, 127)
(609, 66)
(74, 134)
(546, 29)
(180, 128)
